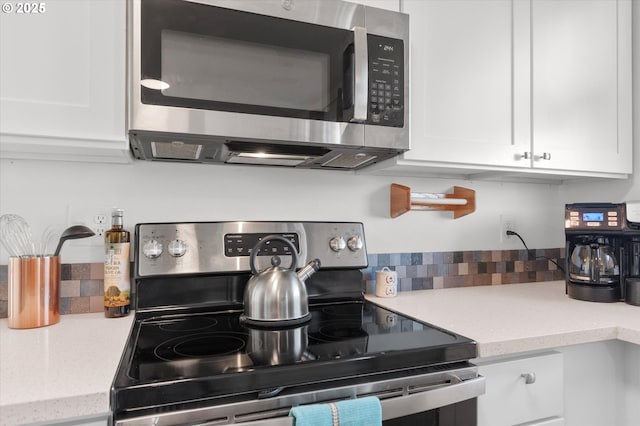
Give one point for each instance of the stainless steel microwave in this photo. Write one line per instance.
(299, 83)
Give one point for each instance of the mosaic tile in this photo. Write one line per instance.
(70, 288)
(91, 288)
(383, 259)
(463, 268)
(438, 282)
(80, 271)
(472, 268)
(448, 257)
(96, 303)
(81, 285)
(96, 271)
(79, 305)
(65, 272)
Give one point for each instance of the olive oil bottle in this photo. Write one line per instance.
(117, 281)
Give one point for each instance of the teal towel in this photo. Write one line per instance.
(353, 412)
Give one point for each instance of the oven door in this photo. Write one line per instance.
(447, 398)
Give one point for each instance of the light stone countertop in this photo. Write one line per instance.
(514, 318)
(65, 370)
(60, 371)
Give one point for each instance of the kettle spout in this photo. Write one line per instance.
(309, 269)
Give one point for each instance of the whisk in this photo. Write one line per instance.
(15, 235)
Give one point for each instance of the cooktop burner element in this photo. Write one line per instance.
(189, 348)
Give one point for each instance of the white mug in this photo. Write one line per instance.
(386, 283)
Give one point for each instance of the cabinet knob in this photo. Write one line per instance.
(529, 378)
(526, 155)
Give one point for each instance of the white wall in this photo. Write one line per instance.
(62, 194)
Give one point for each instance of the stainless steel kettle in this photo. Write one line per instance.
(277, 296)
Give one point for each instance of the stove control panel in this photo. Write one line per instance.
(225, 247)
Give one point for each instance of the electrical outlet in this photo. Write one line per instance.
(100, 219)
(97, 222)
(100, 224)
(507, 223)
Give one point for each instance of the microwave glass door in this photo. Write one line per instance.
(206, 57)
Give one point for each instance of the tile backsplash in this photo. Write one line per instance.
(81, 286)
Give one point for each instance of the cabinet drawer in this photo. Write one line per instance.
(510, 400)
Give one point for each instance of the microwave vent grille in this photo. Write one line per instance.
(176, 150)
(347, 160)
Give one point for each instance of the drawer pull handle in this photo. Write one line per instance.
(529, 378)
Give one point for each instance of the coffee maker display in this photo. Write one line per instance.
(602, 252)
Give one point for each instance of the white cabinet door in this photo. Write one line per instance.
(581, 85)
(525, 88)
(62, 81)
(521, 390)
(461, 82)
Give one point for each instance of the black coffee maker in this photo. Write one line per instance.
(602, 252)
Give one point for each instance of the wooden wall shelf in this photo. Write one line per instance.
(462, 202)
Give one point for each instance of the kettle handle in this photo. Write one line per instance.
(256, 249)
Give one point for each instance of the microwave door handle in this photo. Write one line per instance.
(360, 75)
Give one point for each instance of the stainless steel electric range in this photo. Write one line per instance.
(190, 359)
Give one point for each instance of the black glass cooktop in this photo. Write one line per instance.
(203, 356)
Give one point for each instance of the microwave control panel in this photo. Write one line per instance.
(594, 217)
(386, 81)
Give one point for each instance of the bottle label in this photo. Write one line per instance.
(117, 284)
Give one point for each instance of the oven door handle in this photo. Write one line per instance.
(432, 399)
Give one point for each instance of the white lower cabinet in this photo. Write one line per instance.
(522, 390)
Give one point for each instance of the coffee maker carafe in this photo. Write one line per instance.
(594, 262)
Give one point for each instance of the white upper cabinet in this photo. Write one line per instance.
(524, 88)
(461, 85)
(62, 81)
(581, 84)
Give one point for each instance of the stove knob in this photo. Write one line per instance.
(354, 243)
(337, 243)
(152, 249)
(177, 248)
